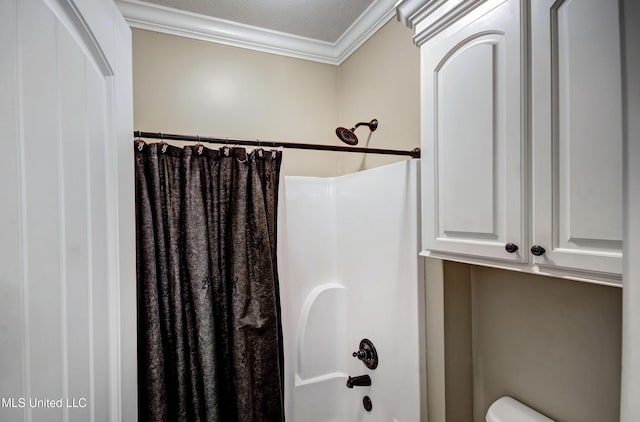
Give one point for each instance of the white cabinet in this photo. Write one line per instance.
(577, 134)
(472, 148)
(522, 134)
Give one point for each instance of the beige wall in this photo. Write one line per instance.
(554, 344)
(458, 325)
(382, 80)
(435, 340)
(194, 87)
(551, 343)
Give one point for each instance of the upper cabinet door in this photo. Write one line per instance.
(472, 135)
(577, 134)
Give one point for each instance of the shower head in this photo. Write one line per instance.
(348, 136)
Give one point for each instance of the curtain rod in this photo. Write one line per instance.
(415, 153)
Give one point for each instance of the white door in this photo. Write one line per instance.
(472, 136)
(67, 273)
(577, 134)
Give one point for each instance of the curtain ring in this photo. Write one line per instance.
(274, 153)
(260, 152)
(140, 145)
(164, 147)
(199, 149)
(226, 151)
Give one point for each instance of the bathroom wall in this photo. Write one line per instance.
(553, 344)
(194, 87)
(458, 343)
(434, 333)
(382, 80)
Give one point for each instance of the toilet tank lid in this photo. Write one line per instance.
(507, 409)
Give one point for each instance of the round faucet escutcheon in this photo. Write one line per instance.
(367, 354)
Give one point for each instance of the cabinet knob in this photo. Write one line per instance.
(537, 250)
(511, 248)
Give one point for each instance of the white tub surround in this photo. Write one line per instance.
(349, 267)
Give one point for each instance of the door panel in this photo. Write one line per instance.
(41, 208)
(467, 140)
(473, 137)
(577, 121)
(74, 151)
(12, 381)
(62, 276)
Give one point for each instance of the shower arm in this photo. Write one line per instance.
(372, 125)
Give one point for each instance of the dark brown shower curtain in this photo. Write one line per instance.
(209, 332)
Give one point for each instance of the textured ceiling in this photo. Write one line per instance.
(324, 20)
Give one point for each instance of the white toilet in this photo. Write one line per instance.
(507, 409)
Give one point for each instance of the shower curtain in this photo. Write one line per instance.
(209, 331)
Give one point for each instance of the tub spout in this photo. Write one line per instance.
(359, 381)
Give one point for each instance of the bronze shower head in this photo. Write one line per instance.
(348, 136)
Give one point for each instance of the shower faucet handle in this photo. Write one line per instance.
(362, 354)
(367, 354)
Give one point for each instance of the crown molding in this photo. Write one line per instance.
(408, 9)
(448, 12)
(434, 16)
(368, 23)
(152, 17)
